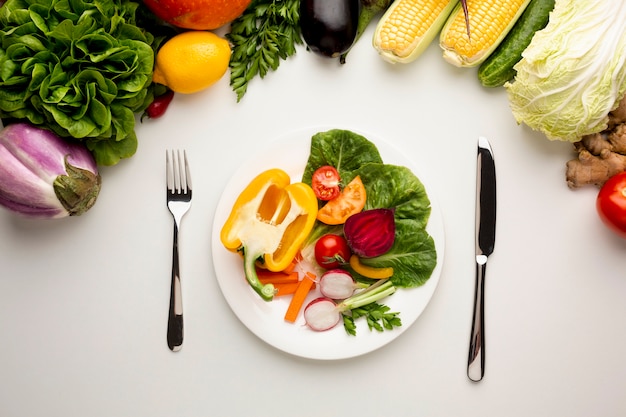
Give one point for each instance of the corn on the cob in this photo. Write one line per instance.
(408, 26)
(489, 22)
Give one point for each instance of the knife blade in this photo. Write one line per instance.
(484, 245)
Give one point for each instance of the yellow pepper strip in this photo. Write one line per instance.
(269, 221)
(369, 271)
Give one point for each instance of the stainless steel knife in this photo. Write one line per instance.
(485, 241)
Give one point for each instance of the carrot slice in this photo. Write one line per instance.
(287, 288)
(293, 264)
(278, 278)
(299, 297)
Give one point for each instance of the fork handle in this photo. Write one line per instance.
(175, 319)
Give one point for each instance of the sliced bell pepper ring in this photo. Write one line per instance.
(268, 223)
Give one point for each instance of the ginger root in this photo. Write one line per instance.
(600, 155)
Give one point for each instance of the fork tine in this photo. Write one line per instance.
(181, 173)
(187, 175)
(177, 173)
(169, 174)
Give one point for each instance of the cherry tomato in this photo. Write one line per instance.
(325, 183)
(331, 251)
(350, 201)
(611, 203)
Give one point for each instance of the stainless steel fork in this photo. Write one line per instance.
(178, 202)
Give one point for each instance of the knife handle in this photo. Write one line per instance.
(476, 359)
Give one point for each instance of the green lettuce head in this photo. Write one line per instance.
(573, 73)
(80, 68)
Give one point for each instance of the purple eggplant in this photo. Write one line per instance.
(329, 27)
(43, 175)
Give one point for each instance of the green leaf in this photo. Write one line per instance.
(348, 324)
(253, 36)
(345, 150)
(109, 152)
(393, 186)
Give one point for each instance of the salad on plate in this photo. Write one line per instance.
(339, 242)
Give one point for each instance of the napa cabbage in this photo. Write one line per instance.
(573, 73)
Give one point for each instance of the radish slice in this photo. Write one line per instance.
(322, 314)
(337, 284)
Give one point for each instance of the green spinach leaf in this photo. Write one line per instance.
(394, 186)
(345, 150)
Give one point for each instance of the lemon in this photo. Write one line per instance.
(191, 61)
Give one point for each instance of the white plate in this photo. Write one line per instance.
(265, 319)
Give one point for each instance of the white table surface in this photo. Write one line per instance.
(83, 301)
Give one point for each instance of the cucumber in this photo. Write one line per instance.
(498, 67)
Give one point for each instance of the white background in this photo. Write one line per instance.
(83, 301)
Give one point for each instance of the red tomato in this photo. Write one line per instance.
(331, 251)
(325, 183)
(611, 204)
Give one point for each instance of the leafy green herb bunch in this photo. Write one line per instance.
(79, 68)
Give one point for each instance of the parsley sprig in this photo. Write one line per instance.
(265, 33)
(365, 304)
(377, 316)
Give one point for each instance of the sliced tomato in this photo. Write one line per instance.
(325, 183)
(350, 201)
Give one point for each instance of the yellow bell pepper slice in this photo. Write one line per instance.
(269, 221)
(370, 271)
